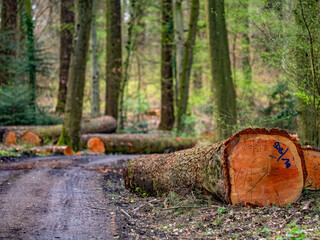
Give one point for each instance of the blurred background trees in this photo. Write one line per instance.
(189, 66)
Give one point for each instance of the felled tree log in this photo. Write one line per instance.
(9, 138)
(254, 166)
(140, 143)
(312, 160)
(104, 124)
(96, 145)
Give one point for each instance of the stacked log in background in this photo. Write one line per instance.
(254, 166)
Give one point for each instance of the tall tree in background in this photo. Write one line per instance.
(307, 72)
(8, 30)
(179, 44)
(95, 88)
(114, 57)
(187, 64)
(66, 32)
(77, 73)
(32, 66)
(167, 101)
(224, 92)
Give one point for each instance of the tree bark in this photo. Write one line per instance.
(254, 166)
(140, 143)
(95, 86)
(224, 92)
(187, 64)
(73, 111)
(167, 100)
(114, 57)
(8, 30)
(66, 32)
(104, 124)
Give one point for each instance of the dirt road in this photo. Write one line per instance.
(55, 198)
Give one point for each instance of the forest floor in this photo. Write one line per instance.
(83, 197)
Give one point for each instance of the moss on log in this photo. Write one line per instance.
(141, 143)
(254, 166)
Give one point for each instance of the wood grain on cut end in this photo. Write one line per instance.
(96, 145)
(68, 151)
(9, 138)
(264, 168)
(30, 138)
(312, 160)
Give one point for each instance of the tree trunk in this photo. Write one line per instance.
(104, 124)
(187, 64)
(73, 112)
(167, 101)
(224, 92)
(32, 68)
(95, 86)
(114, 57)
(307, 71)
(179, 43)
(312, 159)
(254, 166)
(140, 143)
(66, 31)
(8, 31)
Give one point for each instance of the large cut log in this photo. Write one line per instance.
(140, 143)
(104, 124)
(254, 166)
(312, 159)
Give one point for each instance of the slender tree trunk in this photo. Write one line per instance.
(224, 92)
(76, 80)
(66, 32)
(179, 43)
(8, 29)
(246, 65)
(125, 79)
(187, 64)
(114, 57)
(167, 101)
(308, 79)
(32, 68)
(95, 88)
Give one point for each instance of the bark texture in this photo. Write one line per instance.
(187, 64)
(95, 86)
(8, 29)
(254, 166)
(167, 97)
(66, 32)
(140, 143)
(114, 57)
(224, 92)
(73, 111)
(105, 124)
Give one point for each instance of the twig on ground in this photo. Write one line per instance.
(125, 213)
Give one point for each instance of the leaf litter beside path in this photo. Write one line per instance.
(198, 217)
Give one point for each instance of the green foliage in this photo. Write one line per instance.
(15, 102)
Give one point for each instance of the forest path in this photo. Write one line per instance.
(57, 198)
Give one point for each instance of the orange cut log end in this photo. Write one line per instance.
(96, 145)
(9, 138)
(30, 138)
(68, 151)
(264, 168)
(312, 159)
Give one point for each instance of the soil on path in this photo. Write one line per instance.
(55, 198)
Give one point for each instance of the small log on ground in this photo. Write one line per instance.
(47, 150)
(141, 143)
(254, 166)
(30, 138)
(312, 159)
(96, 145)
(9, 138)
(104, 124)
